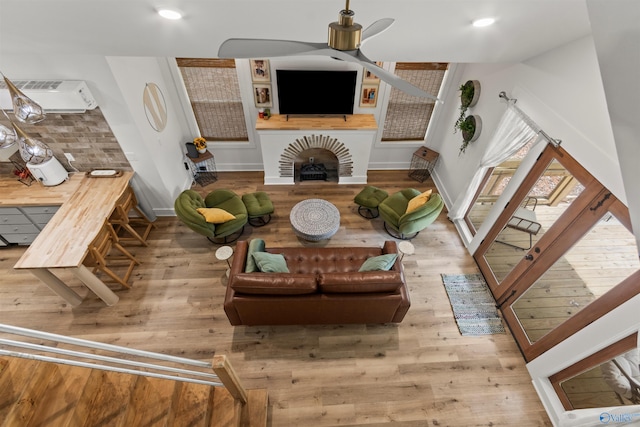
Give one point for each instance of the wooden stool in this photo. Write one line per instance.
(121, 220)
(99, 249)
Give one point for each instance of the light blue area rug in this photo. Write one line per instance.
(473, 305)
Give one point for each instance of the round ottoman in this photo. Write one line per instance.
(259, 208)
(315, 219)
(368, 200)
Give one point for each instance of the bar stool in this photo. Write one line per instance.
(121, 220)
(99, 250)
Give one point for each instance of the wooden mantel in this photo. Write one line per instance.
(352, 122)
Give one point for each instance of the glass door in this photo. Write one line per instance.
(551, 187)
(572, 249)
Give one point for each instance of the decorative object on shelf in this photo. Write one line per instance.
(192, 151)
(262, 95)
(469, 95)
(201, 144)
(470, 128)
(260, 71)
(24, 108)
(369, 77)
(369, 96)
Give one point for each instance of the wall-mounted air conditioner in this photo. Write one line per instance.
(55, 96)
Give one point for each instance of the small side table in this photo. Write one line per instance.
(224, 253)
(202, 168)
(406, 248)
(422, 163)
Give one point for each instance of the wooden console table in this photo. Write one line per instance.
(64, 242)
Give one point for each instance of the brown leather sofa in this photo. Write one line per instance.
(323, 286)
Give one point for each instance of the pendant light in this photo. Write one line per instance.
(31, 150)
(24, 108)
(7, 137)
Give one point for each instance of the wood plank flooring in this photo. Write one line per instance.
(421, 372)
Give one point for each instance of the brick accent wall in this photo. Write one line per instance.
(86, 136)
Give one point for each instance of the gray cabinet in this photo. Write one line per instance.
(21, 225)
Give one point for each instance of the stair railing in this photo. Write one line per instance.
(223, 376)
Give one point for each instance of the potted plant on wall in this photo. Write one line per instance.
(469, 95)
(470, 127)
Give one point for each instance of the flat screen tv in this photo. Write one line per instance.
(316, 92)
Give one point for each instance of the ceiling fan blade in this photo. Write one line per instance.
(376, 28)
(265, 48)
(395, 81)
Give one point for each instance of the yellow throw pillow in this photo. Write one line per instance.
(215, 215)
(418, 201)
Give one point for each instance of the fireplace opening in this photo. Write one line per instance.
(316, 164)
(313, 172)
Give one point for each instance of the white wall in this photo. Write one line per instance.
(560, 90)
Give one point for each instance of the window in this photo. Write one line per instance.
(214, 92)
(408, 116)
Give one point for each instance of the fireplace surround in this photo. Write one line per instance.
(282, 141)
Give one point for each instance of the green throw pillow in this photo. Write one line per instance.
(270, 263)
(255, 245)
(381, 262)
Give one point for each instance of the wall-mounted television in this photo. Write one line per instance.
(316, 92)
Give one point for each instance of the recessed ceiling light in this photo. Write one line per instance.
(169, 14)
(483, 22)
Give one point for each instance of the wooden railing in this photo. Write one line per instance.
(183, 369)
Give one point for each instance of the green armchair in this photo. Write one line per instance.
(189, 201)
(403, 225)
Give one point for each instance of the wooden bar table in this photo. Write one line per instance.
(64, 242)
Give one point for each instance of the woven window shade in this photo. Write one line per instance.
(408, 116)
(214, 92)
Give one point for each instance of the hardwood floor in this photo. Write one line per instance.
(421, 372)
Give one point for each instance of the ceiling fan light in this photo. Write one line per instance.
(345, 34)
(170, 14)
(483, 22)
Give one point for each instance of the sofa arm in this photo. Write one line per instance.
(405, 303)
(239, 258)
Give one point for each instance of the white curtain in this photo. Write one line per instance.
(512, 133)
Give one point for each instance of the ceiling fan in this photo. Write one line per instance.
(345, 39)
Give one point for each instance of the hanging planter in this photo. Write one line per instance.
(470, 127)
(469, 95)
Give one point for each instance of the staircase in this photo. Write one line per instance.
(38, 393)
